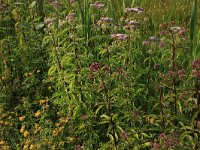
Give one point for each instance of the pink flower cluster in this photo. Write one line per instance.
(196, 68)
(121, 37)
(94, 67)
(105, 20)
(167, 142)
(166, 28)
(135, 9)
(72, 1)
(71, 17)
(151, 40)
(97, 5)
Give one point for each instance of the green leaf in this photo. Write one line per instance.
(105, 117)
(147, 144)
(18, 3)
(32, 4)
(97, 110)
(40, 25)
(24, 25)
(111, 138)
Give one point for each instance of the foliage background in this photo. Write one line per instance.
(65, 83)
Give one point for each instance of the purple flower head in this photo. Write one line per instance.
(133, 22)
(153, 39)
(171, 74)
(120, 37)
(156, 146)
(72, 1)
(106, 68)
(181, 73)
(163, 136)
(124, 136)
(196, 73)
(164, 25)
(94, 67)
(161, 44)
(196, 64)
(176, 29)
(106, 19)
(54, 3)
(71, 17)
(145, 43)
(163, 32)
(77, 147)
(97, 5)
(182, 32)
(135, 9)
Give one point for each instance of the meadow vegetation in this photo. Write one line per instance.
(107, 74)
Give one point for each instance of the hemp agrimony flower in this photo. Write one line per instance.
(97, 5)
(135, 9)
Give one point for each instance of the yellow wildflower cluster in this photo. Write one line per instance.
(57, 131)
(28, 74)
(42, 101)
(26, 133)
(22, 129)
(37, 114)
(3, 145)
(37, 128)
(21, 119)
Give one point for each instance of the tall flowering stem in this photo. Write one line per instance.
(95, 67)
(161, 107)
(173, 70)
(108, 108)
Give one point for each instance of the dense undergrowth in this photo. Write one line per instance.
(115, 74)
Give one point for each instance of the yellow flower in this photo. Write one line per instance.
(42, 101)
(22, 129)
(27, 142)
(2, 142)
(22, 118)
(1, 122)
(37, 113)
(4, 115)
(31, 147)
(36, 126)
(25, 147)
(10, 117)
(25, 133)
(61, 143)
(6, 123)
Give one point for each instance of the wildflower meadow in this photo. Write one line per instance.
(99, 75)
